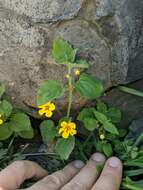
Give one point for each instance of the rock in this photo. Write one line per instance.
(108, 33)
(44, 10)
(103, 8)
(17, 31)
(119, 23)
(136, 129)
(131, 106)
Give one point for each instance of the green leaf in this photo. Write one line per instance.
(48, 131)
(63, 52)
(101, 106)
(5, 108)
(18, 156)
(64, 147)
(3, 153)
(89, 87)
(5, 131)
(100, 117)
(27, 134)
(99, 168)
(134, 154)
(129, 184)
(2, 90)
(81, 64)
(107, 125)
(107, 149)
(20, 122)
(49, 91)
(90, 123)
(86, 112)
(114, 114)
(135, 172)
(99, 146)
(131, 91)
(122, 132)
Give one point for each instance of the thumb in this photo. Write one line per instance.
(111, 175)
(15, 174)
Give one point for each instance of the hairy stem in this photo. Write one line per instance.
(70, 89)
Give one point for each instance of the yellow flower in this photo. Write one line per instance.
(102, 136)
(67, 76)
(47, 109)
(67, 129)
(77, 72)
(1, 120)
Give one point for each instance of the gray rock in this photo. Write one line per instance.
(131, 106)
(136, 129)
(108, 33)
(44, 10)
(119, 23)
(127, 53)
(103, 8)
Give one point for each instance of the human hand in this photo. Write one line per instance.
(75, 176)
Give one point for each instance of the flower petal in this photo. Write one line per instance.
(73, 132)
(1, 121)
(77, 72)
(72, 125)
(48, 113)
(44, 105)
(61, 130)
(64, 124)
(41, 111)
(65, 135)
(52, 107)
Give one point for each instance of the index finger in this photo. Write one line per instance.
(16, 173)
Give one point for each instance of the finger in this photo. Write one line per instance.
(1, 188)
(59, 178)
(87, 176)
(111, 175)
(12, 176)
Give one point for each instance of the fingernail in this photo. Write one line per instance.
(78, 164)
(114, 162)
(98, 157)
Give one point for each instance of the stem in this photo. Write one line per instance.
(39, 154)
(11, 142)
(87, 140)
(70, 88)
(84, 66)
(81, 152)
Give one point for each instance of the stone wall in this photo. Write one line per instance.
(108, 33)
